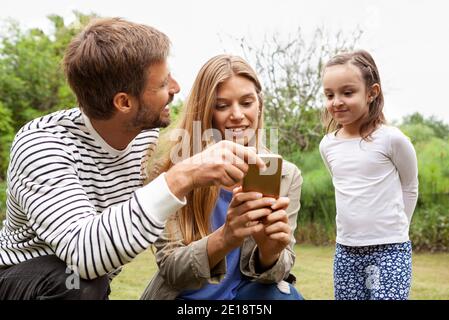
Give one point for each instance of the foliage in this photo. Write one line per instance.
(2, 201)
(429, 139)
(316, 219)
(6, 137)
(430, 228)
(439, 128)
(291, 74)
(31, 79)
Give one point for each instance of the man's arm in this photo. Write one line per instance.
(44, 182)
(225, 163)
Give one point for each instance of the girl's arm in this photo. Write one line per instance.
(323, 156)
(404, 158)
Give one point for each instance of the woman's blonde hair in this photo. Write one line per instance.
(194, 218)
(370, 74)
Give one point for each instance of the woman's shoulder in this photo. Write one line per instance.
(291, 177)
(289, 168)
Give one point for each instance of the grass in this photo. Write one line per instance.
(313, 270)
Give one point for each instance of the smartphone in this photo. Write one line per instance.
(267, 182)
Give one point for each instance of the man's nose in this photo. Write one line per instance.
(175, 88)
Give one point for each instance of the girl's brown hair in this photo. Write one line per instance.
(370, 74)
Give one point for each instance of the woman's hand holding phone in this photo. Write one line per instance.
(245, 212)
(251, 214)
(275, 234)
(242, 220)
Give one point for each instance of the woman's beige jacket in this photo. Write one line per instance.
(184, 267)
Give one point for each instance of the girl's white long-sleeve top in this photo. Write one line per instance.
(376, 186)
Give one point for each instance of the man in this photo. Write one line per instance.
(76, 201)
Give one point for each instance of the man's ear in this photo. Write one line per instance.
(124, 103)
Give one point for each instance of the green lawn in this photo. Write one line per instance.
(313, 270)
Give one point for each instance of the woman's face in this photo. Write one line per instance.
(236, 112)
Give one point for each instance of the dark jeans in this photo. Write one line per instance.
(47, 278)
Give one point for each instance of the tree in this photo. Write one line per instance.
(32, 82)
(6, 136)
(290, 71)
(31, 77)
(440, 128)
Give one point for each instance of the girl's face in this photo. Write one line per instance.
(347, 99)
(236, 113)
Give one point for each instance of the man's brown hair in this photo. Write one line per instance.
(109, 56)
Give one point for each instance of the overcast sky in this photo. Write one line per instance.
(408, 38)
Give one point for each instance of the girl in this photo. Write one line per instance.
(214, 248)
(375, 175)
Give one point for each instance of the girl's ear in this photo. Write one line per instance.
(374, 92)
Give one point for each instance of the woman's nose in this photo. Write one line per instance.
(237, 113)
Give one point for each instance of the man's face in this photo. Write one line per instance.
(153, 110)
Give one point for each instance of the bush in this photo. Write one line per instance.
(430, 229)
(2, 201)
(316, 218)
(6, 137)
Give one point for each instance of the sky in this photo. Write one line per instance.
(407, 38)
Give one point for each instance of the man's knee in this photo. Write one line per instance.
(96, 289)
(48, 277)
(68, 285)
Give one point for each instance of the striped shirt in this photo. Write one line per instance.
(71, 194)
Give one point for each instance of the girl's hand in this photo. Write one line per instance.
(275, 236)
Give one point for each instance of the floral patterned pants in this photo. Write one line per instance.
(379, 272)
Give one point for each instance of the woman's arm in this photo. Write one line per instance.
(185, 266)
(191, 266)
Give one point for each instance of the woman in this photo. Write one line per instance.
(226, 244)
